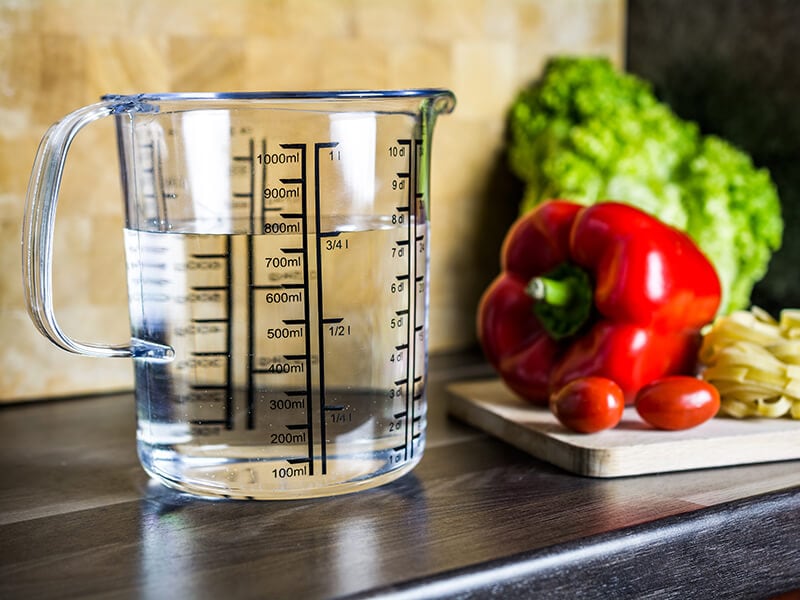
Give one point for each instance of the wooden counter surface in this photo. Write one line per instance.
(476, 518)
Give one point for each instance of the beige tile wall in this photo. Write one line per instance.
(57, 55)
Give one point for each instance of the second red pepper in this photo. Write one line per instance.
(604, 290)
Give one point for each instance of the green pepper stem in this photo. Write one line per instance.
(554, 292)
(564, 300)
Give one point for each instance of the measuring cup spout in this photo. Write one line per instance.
(444, 101)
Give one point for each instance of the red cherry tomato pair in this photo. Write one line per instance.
(592, 404)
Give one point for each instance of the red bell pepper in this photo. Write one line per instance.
(605, 290)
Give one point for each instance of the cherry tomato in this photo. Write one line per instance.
(588, 404)
(677, 402)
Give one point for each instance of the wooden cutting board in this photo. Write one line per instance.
(632, 448)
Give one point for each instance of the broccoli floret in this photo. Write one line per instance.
(588, 132)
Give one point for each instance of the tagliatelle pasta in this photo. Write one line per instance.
(754, 362)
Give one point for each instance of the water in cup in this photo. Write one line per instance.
(275, 351)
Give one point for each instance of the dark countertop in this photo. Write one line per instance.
(476, 518)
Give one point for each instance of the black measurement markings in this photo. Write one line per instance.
(251, 323)
(308, 426)
(225, 353)
(151, 194)
(321, 320)
(413, 213)
(229, 336)
(158, 192)
(264, 180)
(249, 159)
(407, 210)
(415, 209)
(281, 226)
(249, 194)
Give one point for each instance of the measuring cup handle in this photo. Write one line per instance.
(37, 237)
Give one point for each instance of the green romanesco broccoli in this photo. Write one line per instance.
(588, 132)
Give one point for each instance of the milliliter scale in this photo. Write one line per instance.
(277, 250)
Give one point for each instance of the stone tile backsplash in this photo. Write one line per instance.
(58, 55)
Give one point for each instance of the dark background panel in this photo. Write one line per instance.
(733, 66)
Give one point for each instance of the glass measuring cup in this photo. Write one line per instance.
(277, 261)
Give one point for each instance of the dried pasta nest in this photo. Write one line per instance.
(754, 361)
